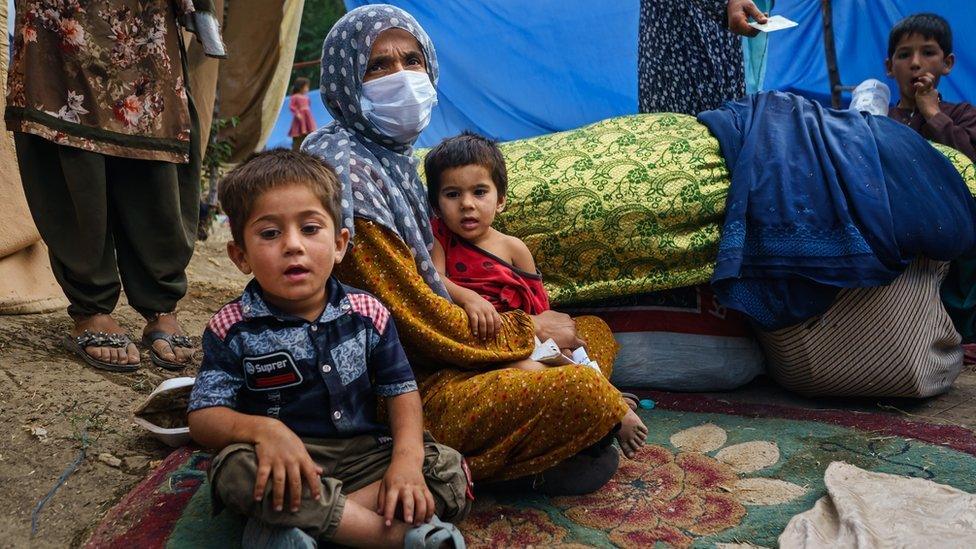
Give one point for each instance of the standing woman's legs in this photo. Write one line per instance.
(156, 209)
(66, 191)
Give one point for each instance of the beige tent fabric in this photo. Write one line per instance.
(26, 282)
(261, 38)
(28, 286)
(865, 509)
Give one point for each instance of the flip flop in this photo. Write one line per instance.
(633, 398)
(78, 344)
(432, 535)
(174, 341)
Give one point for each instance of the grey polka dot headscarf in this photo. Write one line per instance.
(379, 175)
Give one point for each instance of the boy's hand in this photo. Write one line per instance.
(404, 484)
(282, 457)
(484, 319)
(926, 96)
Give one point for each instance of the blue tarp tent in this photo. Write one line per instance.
(512, 69)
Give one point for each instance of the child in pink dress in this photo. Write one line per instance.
(302, 122)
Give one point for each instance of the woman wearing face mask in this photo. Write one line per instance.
(547, 428)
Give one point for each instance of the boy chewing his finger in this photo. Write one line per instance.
(919, 55)
(291, 374)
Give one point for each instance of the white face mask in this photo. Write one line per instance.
(399, 104)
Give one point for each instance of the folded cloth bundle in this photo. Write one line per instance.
(826, 199)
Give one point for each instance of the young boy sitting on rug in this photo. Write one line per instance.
(485, 271)
(919, 54)
(290, 378)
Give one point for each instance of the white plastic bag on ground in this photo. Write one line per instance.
(163, 414)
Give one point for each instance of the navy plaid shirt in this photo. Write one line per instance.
(320, 378)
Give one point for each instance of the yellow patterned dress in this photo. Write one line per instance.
(508, 423)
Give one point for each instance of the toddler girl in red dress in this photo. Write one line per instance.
(485, 271)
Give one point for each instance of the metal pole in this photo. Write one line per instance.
(832, 73)
(209, 206)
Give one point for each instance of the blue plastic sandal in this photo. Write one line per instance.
(432, 535)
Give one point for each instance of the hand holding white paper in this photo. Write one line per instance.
(774, 23)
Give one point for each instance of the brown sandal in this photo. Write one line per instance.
(174, 341)
(78, 344)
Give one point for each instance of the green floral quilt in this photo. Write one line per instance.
(624, 206)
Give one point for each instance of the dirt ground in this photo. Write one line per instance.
(42, 387)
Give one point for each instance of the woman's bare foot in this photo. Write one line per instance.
(167, 323)
(632, 434)
(105, 323)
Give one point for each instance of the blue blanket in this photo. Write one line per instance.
(823, 199)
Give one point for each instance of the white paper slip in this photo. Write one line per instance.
(774, 23)
(580, 356)
(548, 353)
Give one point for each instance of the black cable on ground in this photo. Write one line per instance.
(61, 480)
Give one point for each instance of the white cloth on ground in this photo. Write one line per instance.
(866, 509)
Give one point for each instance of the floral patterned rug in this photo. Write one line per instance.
(713, 472)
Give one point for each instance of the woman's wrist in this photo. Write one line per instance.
(559, 327)
(538, 327)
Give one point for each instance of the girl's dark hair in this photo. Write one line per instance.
(298, 84)
(464, 150)
(928, 25)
